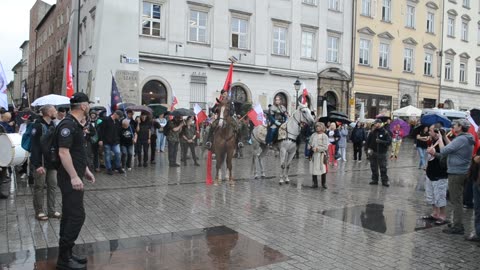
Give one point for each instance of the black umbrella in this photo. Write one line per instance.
(343, 120)
(383, 117)
(139, 108)
(182, 112)
(337, 113)
(124, 106)
(158, 109)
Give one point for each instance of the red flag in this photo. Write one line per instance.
(69, 74)
(473, 130)
(228, 80)
(174, 102)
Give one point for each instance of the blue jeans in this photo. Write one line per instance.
(421, 153)
(115, 148)
(127, 154)
(160, 141)
(476, 206)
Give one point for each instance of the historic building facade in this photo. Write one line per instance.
(397, 55)
(460, 86)
(181, 48)
(48, 32)
(20, 75)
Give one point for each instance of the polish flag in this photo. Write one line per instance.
(304, 94)
(256, 115)
(174, 101)
(69, 74)
(473, 130)
(228, 80)
(200, 115)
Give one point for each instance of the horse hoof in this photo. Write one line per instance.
(280, 183)
(256, 177)
(287, 182)
(263, 176)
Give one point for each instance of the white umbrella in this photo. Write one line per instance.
(51, 100)
(408, 111)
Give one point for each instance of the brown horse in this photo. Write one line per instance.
(224, 140)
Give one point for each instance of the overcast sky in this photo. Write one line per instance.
(14, 28)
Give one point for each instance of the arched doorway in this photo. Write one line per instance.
(332, 101)
(154, 92)
(405, 101)
(283, 99)
(448, 104)
(239, 97)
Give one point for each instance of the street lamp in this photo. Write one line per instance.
(297, 86)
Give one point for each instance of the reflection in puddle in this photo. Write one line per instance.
(210, 248)
(377, 218)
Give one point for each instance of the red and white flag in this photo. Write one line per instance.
(200, 115)
(473, 130)
(174, 101)
(69, 79)
(228, 80)
(256, 115)
(3, 89)
(304, 94)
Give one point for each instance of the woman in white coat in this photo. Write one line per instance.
(319, 146)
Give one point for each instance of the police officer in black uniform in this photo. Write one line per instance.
(73, 169)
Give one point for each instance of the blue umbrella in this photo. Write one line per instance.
(431, 119)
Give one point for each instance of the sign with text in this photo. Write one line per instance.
(127, 82)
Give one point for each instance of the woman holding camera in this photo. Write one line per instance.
(319, 144)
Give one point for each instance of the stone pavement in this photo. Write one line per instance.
(349, 226)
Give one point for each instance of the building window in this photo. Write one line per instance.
(478, 34)
(310, 2)
(408, 60)
(364, 52)
(239, 33)
(307, 44)
(427, 66)
(387, 10)
(332, 49)
(198, 26)
(448, 70)
(465, 31)
(151, 19)
(280, 40)
(198, 90)
(333, 4)
(451, 27)
(430, 22)
(410, 17)
(477, 74)
(466, 3)
(366, 7)
(384, 51)
(463, 75)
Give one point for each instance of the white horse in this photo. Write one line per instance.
(287, 146)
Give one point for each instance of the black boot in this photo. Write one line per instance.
(324, 181)
(66, 261)
(315, 181)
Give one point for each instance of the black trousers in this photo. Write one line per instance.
(142, 146)
(73, 217)
(185, 147)
(153, 147)
(378, 161)
(357, 151)
(172, 152)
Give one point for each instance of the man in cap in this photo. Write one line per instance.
(73, 169)
(109, 138)
(459, 155)
(377, 145)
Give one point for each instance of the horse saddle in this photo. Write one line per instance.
(261, 134)
(282, 132)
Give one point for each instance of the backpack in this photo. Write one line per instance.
(27, 138)
(166, 129)
(47, 146)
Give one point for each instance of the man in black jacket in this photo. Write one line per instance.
(358, 138)
(43, 171)
(377, 145)
(110, 139)
(4, 180)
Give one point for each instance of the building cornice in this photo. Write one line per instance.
(410, 41)
(464, 55)
(452, 12)
(432, 5)
(367, 31)
(429, 46)
(386, 35)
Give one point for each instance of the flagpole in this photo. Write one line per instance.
(78, 42)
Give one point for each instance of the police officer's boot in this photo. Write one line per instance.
(66, 261)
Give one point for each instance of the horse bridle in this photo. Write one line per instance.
(299, 123)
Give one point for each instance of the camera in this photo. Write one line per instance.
(436, 130)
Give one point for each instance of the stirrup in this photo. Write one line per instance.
(208, 145)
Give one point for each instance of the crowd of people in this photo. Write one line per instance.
(88, 141)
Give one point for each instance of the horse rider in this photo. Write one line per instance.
(277, 115)
(213, 126)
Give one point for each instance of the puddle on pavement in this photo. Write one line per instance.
(380, 219)
(202, 249)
